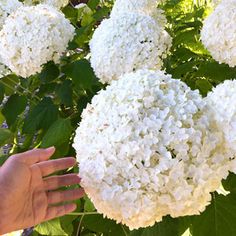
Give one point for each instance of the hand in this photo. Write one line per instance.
(26, 196)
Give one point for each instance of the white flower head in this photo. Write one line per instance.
(219, 33)
(6, 8)
(55, 3)
(145, 150)
(221, 108)
(127, 43)
(32, 36)
(147, 7)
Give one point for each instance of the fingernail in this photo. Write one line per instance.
(50, 149)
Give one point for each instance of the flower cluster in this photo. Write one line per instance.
(133, 38)
(220, 109)
(146, 150)
(6, 8)
(148, 7)
(32, 36)
(55, 3)
(219, 33)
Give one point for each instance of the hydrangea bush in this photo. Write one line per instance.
(155, 147)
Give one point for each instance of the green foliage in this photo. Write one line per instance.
(5, 136)
(41, 116)
(58, 133)
(52, 227)
(218, 219)
(45, 109)
(15, 103)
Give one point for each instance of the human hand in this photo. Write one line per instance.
(26, 196)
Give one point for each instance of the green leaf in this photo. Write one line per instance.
(9, 82)
(168, 227)
(2, 118)
(14, 106)
(49, 73)
(230, 183)
(6, 136)
(67, 224)
(101, 13)
(2, 91)
(218, 219)
(204, 86)
(52, 227)
(81, 73)
(93, 4)
(88, 205)
(41, 117)
(64, 92)
(57, 134)
(98, 224)
(70, 13)
(216, 72)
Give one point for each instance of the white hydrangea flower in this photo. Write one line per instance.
(146, 150)
(6, 8)
(55, 3)
(215, 2)
(127, 43)
(32, 36)
(148, 7)
(219, 33)
(222, 109)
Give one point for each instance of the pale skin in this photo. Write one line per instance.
(28, 196)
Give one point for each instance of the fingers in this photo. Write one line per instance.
(55, 182)
(49, 167)
(34, 156)
(57, 211)
(64, 196)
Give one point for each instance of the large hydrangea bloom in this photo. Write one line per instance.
(222, 109)
(55, 3)
(32, 36)
(6, 8)
(148, 7)
(127, 43)
(219, 33)
(146, 150)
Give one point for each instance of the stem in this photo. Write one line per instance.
(83, 213)
(23, 88)
(124, 230)
(80, 222)
(7, 85)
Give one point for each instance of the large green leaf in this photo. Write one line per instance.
(81, 73)
(49, 73)
(67, 224)
(9, 83)
(52, 227)
(230, 183)
(98, 224)
(215, 71)
(14, 106)
(64, 92)
(57, 134)
(42, 116)
(168, 227)
(5, 136)
(218, 219)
